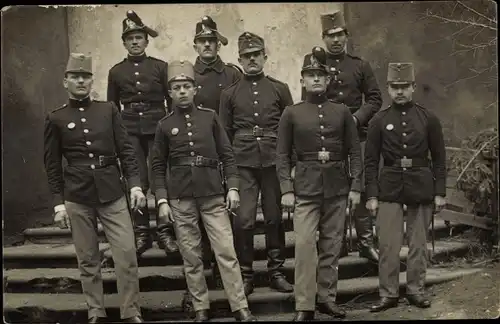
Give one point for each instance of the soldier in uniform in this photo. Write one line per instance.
(404, 134)
(323, 133)
(138, 82)
(191, 142)
(90, 135)
(353, 84)
(250, 111)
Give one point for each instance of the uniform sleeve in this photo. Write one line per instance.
(113, 90)
(53, 161)
(438, 155)
(353, 150)
(159, 158)
(285, 97)
(372, 96)
(125, 150)
(165, 87)
(225, 152)
(372, 157)
(226, 114)
(284, 152)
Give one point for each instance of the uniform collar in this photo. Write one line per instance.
(254, 77)
(403, 107)
(137, 58)
(316, 98)
(183, 110)
(202, 67)
(332, 56)
(77, 103)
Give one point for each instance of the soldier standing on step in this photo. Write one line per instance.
(404, 134)
(250, 111)
(138, 82)
(191, 142)
(91, 136)
(322, 133)
(352, 80)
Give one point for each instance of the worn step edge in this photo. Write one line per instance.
(153, 278)
(45, 251)
(171, 301)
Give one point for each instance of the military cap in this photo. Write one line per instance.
(400, 73)
(333, 23)
(79, 62)
(134, 23)
(249, 42)
(207, 28)
(315, 61)
(180, 71)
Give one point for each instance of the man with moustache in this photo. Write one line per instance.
(405, 134)
(353, 84)
(322, 134)
(250, 111)
(91, 136)
(191, 143)
(138, 82)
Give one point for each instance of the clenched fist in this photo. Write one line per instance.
(288, 201)
(232, 200)
(61, 219)
(165, 213)
(372, 206)
(137, 199)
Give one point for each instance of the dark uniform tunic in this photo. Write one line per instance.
(189, 134)
(250, 111)
(211, 80)
(353, 78)
(81, 131)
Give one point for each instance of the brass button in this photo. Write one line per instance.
(341, 93)
(258, 138)
(403, 113)
(191, 143)
(321, 126)
(255, 93)
(404, 123)
(83, 120)
(256, 114)
(91, 155)
(192, 153)
(136, 73)
(86, 131)
(88, 142)
(404, 169)
(255, 102)
(254, 83)
(190, 134)
(138, 82)
(81, 109)
(187, 115)
(92, 166)
(404, 134)
(405, 146)
(140, 114)
(188, 124)
(322, 137)
(320, 116)
(136, 64)
(323, 149)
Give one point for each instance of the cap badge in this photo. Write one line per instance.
(71, 125)
(175, 131)
(389, 127)
(131, 24)
(205, 30)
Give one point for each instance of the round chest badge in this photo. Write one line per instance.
(175, 131)
(389, 127)
(71, 125)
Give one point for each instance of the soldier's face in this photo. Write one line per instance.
(135, 43)
(335, 43)
(78, 85)
(315, 82)
(207, 48)
(253, 63)
(401, 93)
(182, 92)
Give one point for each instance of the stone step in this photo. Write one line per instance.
(67, 280)
(167, 305)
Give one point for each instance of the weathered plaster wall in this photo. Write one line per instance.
(289, 30)
(34, 54)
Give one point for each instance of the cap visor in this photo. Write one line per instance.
(314, 69)
(334, 30)
(251, 50)
(221, 38)
(78, 72)
(400, 82)
(151, 32)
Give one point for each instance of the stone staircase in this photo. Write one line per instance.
(41, 279)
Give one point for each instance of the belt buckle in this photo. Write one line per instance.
(257, 131)
(406, 163)
(101, 160)
(323, 156)
(198, 160)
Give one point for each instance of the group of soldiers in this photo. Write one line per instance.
(209, 138)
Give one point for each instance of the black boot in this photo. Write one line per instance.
(365, 238)
(279, 283)
(143, 240)
(187, 302)
(384, 304)
(166, 239)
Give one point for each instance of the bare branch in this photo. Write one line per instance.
(477, 13)
(457, 21)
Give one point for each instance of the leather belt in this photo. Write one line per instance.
(322, 156)
(198, 160)
(256, 131)
(142, 106)
(407, 163)
(100, 161)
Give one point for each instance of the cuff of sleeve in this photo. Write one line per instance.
(57, 200)
(358, 116)
(440, 188)
(136, 188)
(161, 201)
(134, 181)
(234, 188)
(161, 194)
(356, 185)
(232, 182)
(59, 208)
(372, 191)
(286, 186)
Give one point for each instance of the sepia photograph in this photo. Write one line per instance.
(219, 162)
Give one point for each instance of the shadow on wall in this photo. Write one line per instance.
(402, 31)
(32, 67)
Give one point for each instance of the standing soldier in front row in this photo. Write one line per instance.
(138, 82)
(90, 135)
(191, 142)
(322, 133)
(404, 134)
(250, 111)
(353, 84)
